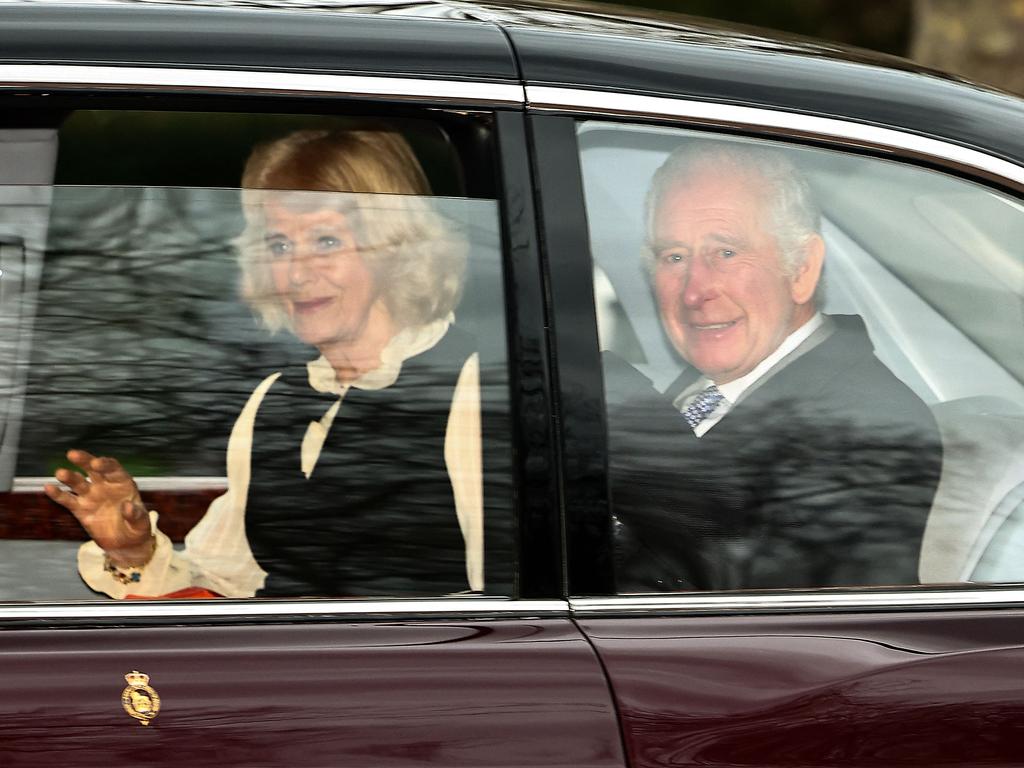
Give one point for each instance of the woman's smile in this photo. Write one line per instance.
(310, 305)
(318, 270)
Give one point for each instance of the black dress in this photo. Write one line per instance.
(377, 514)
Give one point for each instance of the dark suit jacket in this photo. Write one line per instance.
(821, 475)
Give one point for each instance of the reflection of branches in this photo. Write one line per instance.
(788, 496)
(140, 342)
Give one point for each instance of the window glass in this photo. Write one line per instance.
(813, 362)
(286, 331)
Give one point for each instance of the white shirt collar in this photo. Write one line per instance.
(405, 344)
(733, 390)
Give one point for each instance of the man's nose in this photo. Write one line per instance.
(699, 283)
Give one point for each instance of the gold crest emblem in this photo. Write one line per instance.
(138, 699)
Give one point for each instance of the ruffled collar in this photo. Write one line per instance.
(407, 343)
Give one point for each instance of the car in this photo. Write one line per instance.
(539, 126)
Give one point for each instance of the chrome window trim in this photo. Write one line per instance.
(822, 601)
(179, 483)
(200, 611)
(946, 153)
(248, 81)
(140, 612)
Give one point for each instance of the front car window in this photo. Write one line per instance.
(304, 378)
(813, 365)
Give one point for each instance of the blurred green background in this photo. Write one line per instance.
(981, 40)
(882, 25)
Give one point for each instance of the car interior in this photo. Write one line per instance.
(121, 325)
(927, 261)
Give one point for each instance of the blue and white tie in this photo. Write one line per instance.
(702, 406)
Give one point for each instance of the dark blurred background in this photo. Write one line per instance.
(982, 40)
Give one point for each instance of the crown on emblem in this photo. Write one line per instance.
(137, 679)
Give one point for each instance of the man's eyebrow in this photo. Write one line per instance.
(664, 245)
(728, 238)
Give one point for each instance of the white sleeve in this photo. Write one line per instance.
(165, 572)
(463, 456)
(216, 554)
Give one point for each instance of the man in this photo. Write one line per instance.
(786, 454)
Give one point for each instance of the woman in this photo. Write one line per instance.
(358, 473)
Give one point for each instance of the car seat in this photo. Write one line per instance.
(977, 518)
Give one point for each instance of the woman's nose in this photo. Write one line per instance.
(300, 268)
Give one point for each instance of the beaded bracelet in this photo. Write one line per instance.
(128, 574)
(132, 575)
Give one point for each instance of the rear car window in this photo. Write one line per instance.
(133, 327)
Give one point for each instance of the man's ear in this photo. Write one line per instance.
(805, 281)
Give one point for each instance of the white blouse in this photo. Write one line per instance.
(216, 553)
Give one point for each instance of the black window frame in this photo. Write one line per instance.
(537, 565)
(579, 379)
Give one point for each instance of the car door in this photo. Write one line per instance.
(131, 339)
(820, 673)
(448, 682)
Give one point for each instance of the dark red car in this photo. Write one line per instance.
(611, 605)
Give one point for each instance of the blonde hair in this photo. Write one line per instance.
(416, 257)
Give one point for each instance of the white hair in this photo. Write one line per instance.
(790, 205)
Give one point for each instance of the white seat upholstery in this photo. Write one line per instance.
(983, 464)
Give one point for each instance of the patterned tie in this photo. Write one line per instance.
(702, 406)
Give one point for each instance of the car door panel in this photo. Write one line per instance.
(439, 692)
(856, 690)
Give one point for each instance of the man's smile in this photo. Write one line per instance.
(712, 326)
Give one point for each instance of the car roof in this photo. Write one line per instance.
(296, 38)
(194, 29)
(535, 42)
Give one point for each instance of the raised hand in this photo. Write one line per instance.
(107, 504)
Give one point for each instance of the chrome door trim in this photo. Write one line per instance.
(264, 610)
(946, 153)
(247, 81)
(823, 601)
(183, 483)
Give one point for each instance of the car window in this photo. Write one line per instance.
(818, 378)
(305, 378)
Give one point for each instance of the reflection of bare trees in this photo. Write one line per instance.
(141, 347)
(788, 496)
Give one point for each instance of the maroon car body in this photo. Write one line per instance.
(345, 692)
(551, 667)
